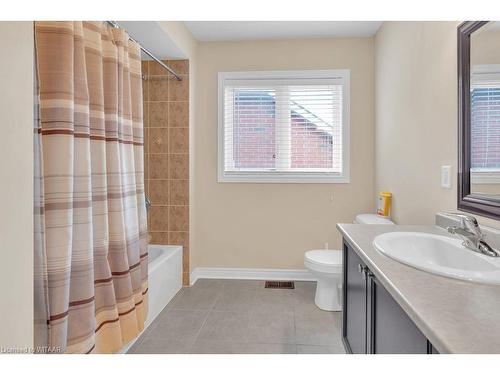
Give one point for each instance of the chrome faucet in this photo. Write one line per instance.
(470, 233)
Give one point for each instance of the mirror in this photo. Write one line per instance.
(485, 110)
(479, 117)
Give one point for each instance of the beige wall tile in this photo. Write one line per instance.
(178, 140)
(158, 88)
(179, 218)
(158, 166)
(156, 69)
(146, 167)
(158, 218)
(185, 259)
(159, 192)
(179, 238)
(166, 122)
(160, 238)
(146, 141)
(178, 90)
(179, 192)
(145, 112)
(158, 114)
(158, 140)
(146, 188)
(179, 166)
(185, 279)
(178, 113)
(144, 66)
(179, 66)
(145, 89)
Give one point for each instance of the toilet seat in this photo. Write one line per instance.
(326, 261)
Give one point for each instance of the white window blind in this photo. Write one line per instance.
(283, 126)
(485, 124)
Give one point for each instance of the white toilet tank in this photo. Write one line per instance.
(372, 219)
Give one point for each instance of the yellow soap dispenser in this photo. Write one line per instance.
(384, 204)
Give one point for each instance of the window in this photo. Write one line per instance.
(284, 126)
(485, 124)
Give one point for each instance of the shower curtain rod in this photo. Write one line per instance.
(147, 52)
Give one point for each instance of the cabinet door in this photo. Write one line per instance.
(431, 349)
(391, 331)
(354, 302)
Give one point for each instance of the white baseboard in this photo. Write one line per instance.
(250, 274)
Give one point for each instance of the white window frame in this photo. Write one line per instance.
(338, 76)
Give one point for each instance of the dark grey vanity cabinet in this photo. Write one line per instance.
(372, 321)
(354, 303)
(390, 330)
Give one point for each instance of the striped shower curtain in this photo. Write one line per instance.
(90, 215)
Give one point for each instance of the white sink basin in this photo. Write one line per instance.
(440, 255)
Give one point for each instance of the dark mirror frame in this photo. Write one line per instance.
(477, 204)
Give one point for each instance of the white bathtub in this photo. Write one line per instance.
(164, 277)
(164, 280)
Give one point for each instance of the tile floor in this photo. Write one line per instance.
(242, 317)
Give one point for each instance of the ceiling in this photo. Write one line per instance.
(219, 31)
(150, 35)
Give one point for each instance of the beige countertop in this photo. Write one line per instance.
(456, 316)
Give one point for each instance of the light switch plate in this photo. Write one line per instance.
(446, 176)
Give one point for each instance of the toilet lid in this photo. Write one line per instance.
(372, 219)
(324, 257)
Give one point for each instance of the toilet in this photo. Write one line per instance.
(326, 267)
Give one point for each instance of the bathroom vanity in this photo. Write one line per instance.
(372, 320)
(423, 291)
(390, 307)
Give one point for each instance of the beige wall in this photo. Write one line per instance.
(271, 225)
(416, 117)
(485, 48)
(16, 189)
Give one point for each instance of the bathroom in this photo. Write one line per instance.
(251, 187)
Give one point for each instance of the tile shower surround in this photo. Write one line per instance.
(166, 148)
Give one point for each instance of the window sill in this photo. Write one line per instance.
(283, 178)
